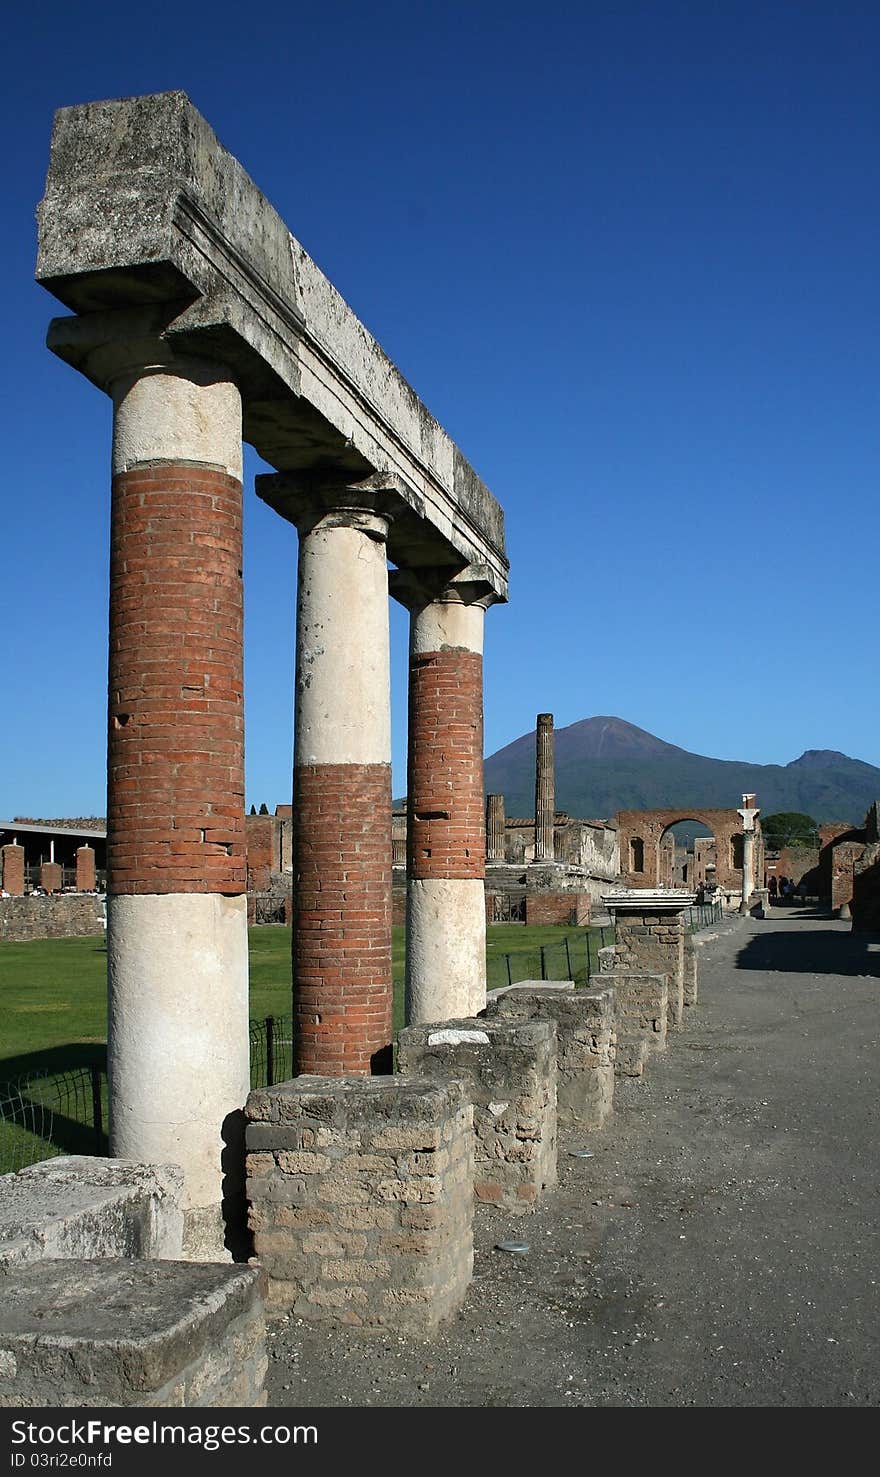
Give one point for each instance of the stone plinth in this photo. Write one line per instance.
(586, 1043)
(509, 1071)
(360, 1192)
(649, 937)
(83, 1207)
(143, 1333)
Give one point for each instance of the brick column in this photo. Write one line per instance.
(494, 828)
(178, 1052)
(446, 839)
(12, 871)
(545, 804)
(51, 876)
(85, 869)
(342, 999)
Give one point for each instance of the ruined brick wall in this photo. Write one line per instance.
(865, 905)
(844, 855)
(797, 863)
(61, 916)
(564, 909)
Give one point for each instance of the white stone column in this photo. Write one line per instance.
(446, 832)
(178, 1044)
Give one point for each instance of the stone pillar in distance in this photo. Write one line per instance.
(85, 869)
(494, 828)
(13, 869)
(545, 803)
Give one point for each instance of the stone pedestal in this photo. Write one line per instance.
(649, 937)
(691, 971)
(509, 1071)
(586, 1043)
(143, 1333)
(361, 1202)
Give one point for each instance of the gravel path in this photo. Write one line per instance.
(720, 1248)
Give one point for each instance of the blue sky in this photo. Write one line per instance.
(627, 255)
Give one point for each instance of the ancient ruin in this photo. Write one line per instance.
(731, 863)
(205, 321)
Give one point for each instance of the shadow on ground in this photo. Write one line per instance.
(813, 950)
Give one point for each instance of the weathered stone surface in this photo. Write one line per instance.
(642, 1007)
(122, 1332)
(61, 916)
(586, 1043)
(83, 1207)
(511, 1081)
(148, 226)
(360, 1192)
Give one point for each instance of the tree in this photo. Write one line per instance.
(789, 828)
(253, 810)
(264, 809)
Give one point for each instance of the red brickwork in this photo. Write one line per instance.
(446, 834)
(175, 817)
(85, 869)
(342, 918)
(843, 859)
(547, 908)
(52, 876)
(263, 834)
(12, 871)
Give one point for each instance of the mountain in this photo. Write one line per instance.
(605, 764)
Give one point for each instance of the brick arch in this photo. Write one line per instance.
(648, 827)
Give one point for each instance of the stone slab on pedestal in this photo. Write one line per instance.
(123, 1332)
(81, 1207)
(361, 1204)
(510, 1073)
(586, 1041)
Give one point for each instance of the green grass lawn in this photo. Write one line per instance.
(53, 1003)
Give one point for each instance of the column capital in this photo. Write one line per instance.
(125, 343)
(417, 588)
(340, 499)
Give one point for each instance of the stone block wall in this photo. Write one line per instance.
(510, 1075)
(641, 1013)
(586, 1044)
(142, 1333)
(361, 1201)
(844, 857)
(62, 916)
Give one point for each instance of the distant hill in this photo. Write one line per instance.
(605, 764)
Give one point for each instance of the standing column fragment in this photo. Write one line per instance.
(342, 798)
(545, 804)
(178, 1055)
(495, 828)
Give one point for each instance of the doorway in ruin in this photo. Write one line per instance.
(686, 855)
